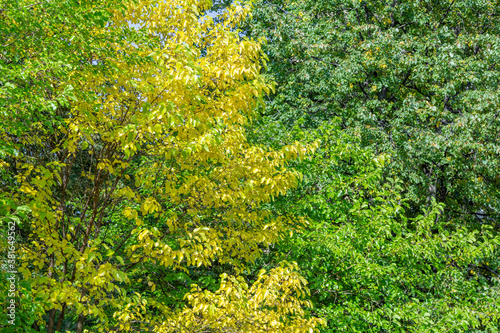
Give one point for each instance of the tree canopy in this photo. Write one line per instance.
(143, 168)
(249, 166)
(418, 79)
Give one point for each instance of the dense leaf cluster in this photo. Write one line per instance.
(415, 78)
(262, 166)
(402, 194)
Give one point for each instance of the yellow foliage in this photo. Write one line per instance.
(171, 167)
(272, 304)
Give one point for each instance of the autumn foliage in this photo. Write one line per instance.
(249, 166)
(144, 166)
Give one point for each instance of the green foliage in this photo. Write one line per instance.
(43, 45)
(418, 79)
(369, 267)
(145, 199)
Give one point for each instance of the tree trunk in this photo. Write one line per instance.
(79, 324)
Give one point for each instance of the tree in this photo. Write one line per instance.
(369, 267)
(122, 131)
(418, 79)
(379, 253)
